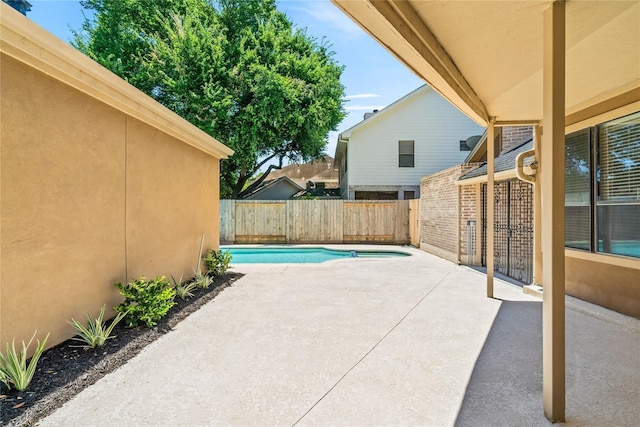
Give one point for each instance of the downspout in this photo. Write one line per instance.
(520, 166)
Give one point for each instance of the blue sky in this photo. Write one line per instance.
(373, 78)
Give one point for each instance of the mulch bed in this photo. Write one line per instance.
(64, 371)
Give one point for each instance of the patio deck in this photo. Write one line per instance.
(402, 341)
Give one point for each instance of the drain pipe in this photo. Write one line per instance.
(520, 167)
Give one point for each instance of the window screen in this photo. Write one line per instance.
(618, 202)
(405, 154)
(577, 190)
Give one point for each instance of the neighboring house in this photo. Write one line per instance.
(319, 171)
(385, 155)
(281, 188)
(317, 178)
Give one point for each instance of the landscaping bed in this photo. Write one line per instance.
(63, 371)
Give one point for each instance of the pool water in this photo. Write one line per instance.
(307, 255)
(628, 248)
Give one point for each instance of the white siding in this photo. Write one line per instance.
(433, 123)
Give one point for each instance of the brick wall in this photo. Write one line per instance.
(439, 212)
(515, 135)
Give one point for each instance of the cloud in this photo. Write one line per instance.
(362, 95)
(323, 11)
(358, 107)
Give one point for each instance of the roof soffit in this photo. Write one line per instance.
(497, 48)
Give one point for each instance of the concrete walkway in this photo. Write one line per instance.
(399, 341)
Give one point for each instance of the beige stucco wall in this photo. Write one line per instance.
(602, 280)
(62, 204)
(172, 198)
(98, 184)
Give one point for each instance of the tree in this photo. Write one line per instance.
(237, 69)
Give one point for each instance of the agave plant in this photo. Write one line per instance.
(14, 370)
(183, 290)
(202, 280)
(95, 334)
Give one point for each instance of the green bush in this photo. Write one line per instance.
(14, 371)
(145, 301)
(95, 334)
(217, 263)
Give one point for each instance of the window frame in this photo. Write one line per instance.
(412, 154)
(590, 180)
(595, 147)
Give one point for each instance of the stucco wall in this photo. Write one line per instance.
(601, 280)
(89, 196)
(172, 192)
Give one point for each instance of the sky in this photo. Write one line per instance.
(372, 78)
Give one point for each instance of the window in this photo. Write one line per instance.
(602, 205)
(618, 201)
(577, 190)
(409, 195)
(405, 154)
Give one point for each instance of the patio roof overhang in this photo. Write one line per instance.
(486, 57)
(547, 63)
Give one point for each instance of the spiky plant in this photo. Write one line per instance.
(14, 370)
(95, 334)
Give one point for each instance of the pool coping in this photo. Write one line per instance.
(404, 249)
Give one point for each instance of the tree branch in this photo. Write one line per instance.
(259, 165)
(258, 181)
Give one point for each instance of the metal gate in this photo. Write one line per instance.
(513, 230)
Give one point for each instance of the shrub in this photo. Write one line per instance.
(217, 263)
(202, 280)
(183, 290)
(95, 334)
(14, 371)
(145, 301)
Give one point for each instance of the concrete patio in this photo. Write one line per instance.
(399, 341)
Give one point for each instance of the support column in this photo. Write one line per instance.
(537, 211)
(552, 188)
(491, 148)
(478, 254)
(458, 228)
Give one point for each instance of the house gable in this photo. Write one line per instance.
(435, 126)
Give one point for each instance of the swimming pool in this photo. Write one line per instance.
(300, 255)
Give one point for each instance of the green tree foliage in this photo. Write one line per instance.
(237, 69)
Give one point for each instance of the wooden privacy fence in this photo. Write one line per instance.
(314, 221)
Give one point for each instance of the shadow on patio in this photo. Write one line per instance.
(603, 369)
